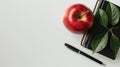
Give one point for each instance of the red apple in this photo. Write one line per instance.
(78, 18)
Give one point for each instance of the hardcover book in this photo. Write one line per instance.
(87, 38)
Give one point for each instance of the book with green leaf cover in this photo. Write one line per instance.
(104, 36)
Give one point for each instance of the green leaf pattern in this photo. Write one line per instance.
(99, 42)
(113, 14)
(103, 18)
(114, 43)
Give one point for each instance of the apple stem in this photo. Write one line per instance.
(84, 13)
(78, 16)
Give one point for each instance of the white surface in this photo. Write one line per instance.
(32, 35)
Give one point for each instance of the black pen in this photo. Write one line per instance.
(83, 53)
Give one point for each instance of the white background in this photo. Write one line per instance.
(32, 34)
